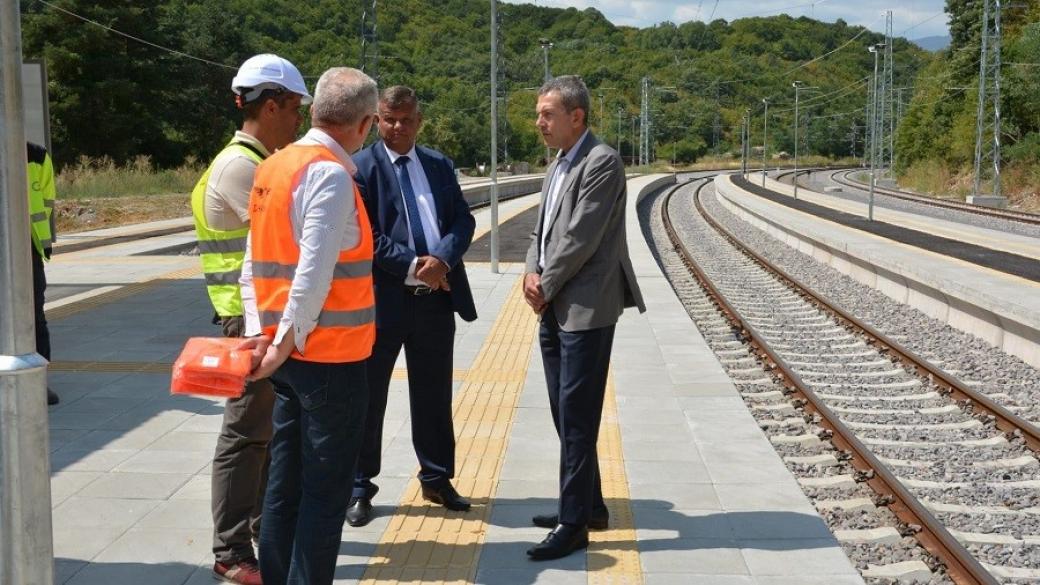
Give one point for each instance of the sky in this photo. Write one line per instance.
(912, 19)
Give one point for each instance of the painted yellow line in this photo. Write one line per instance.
(613, 556)
(429, 544)
(118, 294)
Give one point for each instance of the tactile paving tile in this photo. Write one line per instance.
(430, 544)
(613, 555)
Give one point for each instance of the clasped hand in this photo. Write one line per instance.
(533, 292)
(432, 272)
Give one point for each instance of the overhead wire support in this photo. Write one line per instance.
(370, 42)
(987, 148)
(888, 119)
(494, 137)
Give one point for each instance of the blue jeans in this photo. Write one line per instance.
(319, 415)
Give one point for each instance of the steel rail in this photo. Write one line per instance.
(1020, 216)
(962, 567)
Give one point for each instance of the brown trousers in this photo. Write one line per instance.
(240, 465)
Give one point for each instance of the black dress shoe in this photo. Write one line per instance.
(52, 397)
(446, 496)
(359, 512)
(562, 541)
(597, 522)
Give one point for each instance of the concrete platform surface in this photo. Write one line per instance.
(696, 493)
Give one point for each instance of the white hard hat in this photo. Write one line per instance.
(268, 71)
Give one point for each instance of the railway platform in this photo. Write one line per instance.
(696, 492)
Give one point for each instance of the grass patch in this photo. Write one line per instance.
(1020, 182)
(98, 178)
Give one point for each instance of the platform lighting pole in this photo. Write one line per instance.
(26, 553)
(797, 85)
(619, 130)
(546, 45)
(875, 49)
(494, 137)
(602, 112)
(765, 129)
(743, 144)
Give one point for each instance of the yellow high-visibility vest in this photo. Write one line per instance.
(222, 251)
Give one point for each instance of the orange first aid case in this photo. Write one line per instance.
(211, 366)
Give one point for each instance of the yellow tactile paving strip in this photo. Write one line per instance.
(613, 555)
(430, 544)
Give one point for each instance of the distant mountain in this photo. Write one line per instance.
(936, 43)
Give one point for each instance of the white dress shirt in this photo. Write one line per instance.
(324, 221)
(424, 201)
(563, 168)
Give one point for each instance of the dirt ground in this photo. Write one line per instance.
(77, 215)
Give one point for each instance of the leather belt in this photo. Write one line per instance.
(418, 291)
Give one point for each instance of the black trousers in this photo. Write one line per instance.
(426, 330)
(576, 365)
(43, 336)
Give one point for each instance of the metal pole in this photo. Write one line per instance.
(619, 130)
(873, 136)
(494, 137)
(996, 99)
(743, 145)
(765, 129)
(796, 88)
(26, 553)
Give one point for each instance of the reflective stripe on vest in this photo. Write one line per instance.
(287, 271)
(345, 329)
(221, 251)
(40, 176)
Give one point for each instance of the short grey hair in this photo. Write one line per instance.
(572, 92)
(343, 97)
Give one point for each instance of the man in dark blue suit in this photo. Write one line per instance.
(422, 227)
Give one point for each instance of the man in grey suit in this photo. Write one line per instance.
(579, 278)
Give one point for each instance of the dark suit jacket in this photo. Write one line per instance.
(378, 184)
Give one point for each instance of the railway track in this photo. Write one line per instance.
(842, 177)
(957, 469)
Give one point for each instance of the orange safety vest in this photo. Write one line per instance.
(346, 326)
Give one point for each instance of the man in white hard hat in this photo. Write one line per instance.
(269, 90)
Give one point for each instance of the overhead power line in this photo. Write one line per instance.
(136, 39)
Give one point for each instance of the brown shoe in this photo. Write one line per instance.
(243, 572)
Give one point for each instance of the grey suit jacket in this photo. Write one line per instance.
(588, 278)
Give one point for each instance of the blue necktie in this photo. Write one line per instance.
(414, 219)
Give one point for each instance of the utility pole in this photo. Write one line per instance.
(874, 146)
(884, 91)
(890, 94)
(546, 45)
(989, 97)
(765, 144)
(370, 42)
(743, 144)
(644, 124)
(494, 137)
(26, 550)
(619, 130)
(716, 128)
(797, 85)
(634, 140)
